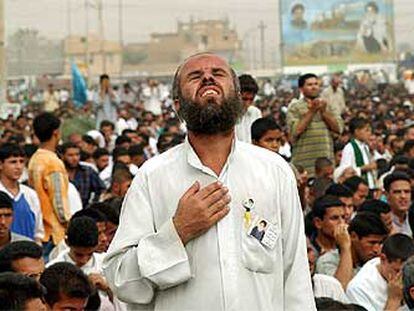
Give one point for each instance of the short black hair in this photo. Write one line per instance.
(82, 232)
(18, 250)
(44, 125)
(119, 152)
(357, 123)
(106, 123)
(16, 290)
(395, 176)
(409, 144)
(302, 79)
(120, 173)
(339, 190)
(5, 200)
(136, 150)
(67, 146)
(297, 6)
(96, 215)
(111, 214)
(99, 153)
(375, 206)
(89, 140)
(248, 84)
(353, 183)
(64, 278)
(9, 150)
(322, 203)
(261, 126)
(367, 223)
(322, 162)
(372, 4)
(122, 139)
(103, 77)
(398, 246)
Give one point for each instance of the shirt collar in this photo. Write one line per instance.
(194, 161)
(15, 197)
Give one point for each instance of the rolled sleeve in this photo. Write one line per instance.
(141, 258)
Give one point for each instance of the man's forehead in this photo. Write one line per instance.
(204, 60)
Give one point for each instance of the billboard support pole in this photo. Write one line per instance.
(281, 45)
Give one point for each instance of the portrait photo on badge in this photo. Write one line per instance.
(258, 229)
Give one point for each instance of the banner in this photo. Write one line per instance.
(333, 32)
(78, 87)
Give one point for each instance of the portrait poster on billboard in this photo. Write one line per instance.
(336, 31)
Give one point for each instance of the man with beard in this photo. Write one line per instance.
(85, 179)
(312, 121)
(183, 240)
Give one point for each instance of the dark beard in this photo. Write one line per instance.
(211, 118)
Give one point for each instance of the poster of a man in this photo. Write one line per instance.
(298, 16)
(372, 35)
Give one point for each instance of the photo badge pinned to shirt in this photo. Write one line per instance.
(263, 231)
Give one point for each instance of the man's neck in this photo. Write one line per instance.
(49, 145)
(4, 240)
(326, 243)
(10, 184)
(71, 172)
(213, 150)
(400, 215)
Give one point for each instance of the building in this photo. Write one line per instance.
(103, 56)
(165, 51)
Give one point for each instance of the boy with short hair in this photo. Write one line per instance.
(28, 217)
(356, 153)
(267, 134)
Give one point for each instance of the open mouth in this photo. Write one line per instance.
(208, 91)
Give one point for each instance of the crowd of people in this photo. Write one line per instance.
(327, 166)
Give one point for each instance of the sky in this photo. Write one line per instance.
(142, 17)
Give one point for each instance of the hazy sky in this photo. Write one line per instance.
(141, 17)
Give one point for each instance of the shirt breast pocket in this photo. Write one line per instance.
(259, 246)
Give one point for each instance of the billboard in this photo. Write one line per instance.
(334, 32)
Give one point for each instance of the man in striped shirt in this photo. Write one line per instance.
(312, 122)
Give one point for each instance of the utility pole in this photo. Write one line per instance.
(87, 62)
(3, 79)
(121, 36)
(262, 28)
(101, 35)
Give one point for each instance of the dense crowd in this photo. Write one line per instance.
(349, 140)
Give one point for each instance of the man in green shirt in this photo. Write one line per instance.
(312, 121)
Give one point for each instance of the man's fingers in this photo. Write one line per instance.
(207, 190)
(219, 215)
(216, 196)
(195, 187)
(220, 204)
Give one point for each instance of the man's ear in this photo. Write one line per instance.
(176, 106)
(317, 222)
(411, 292)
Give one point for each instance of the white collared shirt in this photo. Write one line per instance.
(223, 269)
(33, 200)
(348, 160)
(243, 128)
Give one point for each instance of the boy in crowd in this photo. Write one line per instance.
(360, 243)
(82, 240)
(345, 195)
(27, 215)
(267, 134)
(377, 286)
(359, 188)
(356, 153)
(67, 287)
(19, 292)
(6, 220)
(23, 257)
(328, 218)
(398, 192)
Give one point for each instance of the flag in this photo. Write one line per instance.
(78, 87)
